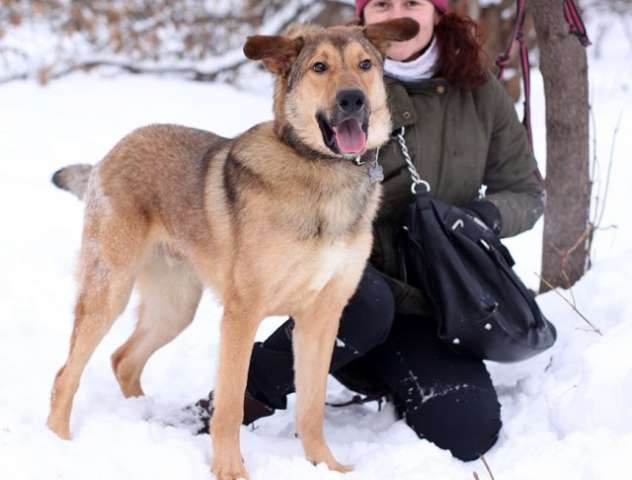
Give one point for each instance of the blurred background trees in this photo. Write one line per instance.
(198, 40)
(193, 39)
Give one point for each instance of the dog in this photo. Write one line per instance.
(277, 221)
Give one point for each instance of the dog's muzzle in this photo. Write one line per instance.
(347, 131)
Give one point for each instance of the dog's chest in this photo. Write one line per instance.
(330, 260)
(333, 215)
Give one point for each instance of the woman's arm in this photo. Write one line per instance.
(511, 173)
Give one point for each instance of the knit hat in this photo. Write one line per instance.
(441, 5)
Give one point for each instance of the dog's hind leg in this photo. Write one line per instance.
(170, 293)
(110, 254)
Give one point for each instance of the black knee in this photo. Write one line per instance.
(368, 317)
(462, 419)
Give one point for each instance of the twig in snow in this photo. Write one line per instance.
(586, 236)
(610, 162)
(556, 290)
(600, 209)
(594, 170)
(570, 288)
(489, 470)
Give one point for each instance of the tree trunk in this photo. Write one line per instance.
(567, 229)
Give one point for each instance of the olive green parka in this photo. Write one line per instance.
(459, 140)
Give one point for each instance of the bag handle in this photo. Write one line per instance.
(417, 180)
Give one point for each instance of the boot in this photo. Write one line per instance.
(253, 410)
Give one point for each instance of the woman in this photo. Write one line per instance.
(462, 131)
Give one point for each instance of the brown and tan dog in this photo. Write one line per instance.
(276, 221)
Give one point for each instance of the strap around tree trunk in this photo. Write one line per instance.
(574, 20)
(577, 27)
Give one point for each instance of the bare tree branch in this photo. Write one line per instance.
(556, 290)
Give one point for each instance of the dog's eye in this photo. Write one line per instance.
(365, 64)
(320, 67)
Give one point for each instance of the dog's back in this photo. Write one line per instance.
(176, 151)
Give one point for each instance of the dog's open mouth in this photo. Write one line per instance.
(347, 136)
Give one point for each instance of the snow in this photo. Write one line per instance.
(566, 413)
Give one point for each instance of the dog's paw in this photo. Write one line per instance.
(230, 474)
(59, 428)
(324, 455)
(332, 464)
(339, 467)
(229, 467)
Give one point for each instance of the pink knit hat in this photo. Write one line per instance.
(441, 5)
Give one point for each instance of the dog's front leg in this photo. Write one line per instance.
(238, 329)
(314, 336)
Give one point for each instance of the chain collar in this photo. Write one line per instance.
(417, 180)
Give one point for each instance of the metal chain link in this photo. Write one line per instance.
(417, 180)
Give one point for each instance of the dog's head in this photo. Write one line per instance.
(329, 93)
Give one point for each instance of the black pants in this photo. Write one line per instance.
(445, 398)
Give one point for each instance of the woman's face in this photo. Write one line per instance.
(423, 11)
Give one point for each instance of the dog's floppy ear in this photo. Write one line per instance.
(277, 52)
(399, 30)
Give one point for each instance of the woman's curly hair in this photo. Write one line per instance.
(461, 57)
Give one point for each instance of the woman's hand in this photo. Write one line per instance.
(478, 219)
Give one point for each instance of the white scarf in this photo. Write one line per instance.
(421, 68)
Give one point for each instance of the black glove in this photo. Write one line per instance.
(487, 212)
(479, 219)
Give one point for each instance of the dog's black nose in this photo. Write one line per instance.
(351, 101)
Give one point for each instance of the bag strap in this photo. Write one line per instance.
(577, 27)
(574, 20)
(417, 180)
(503, 60)
(360, 400)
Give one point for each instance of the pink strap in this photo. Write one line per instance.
(577, 27)
(575, 23)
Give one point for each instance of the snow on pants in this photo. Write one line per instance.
(444, 397)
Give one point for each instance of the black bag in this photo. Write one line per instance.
(481, 306)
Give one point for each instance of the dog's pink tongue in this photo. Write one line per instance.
(350, 137)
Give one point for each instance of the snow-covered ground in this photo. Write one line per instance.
(566, 414)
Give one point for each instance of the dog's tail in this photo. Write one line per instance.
(73, 178)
